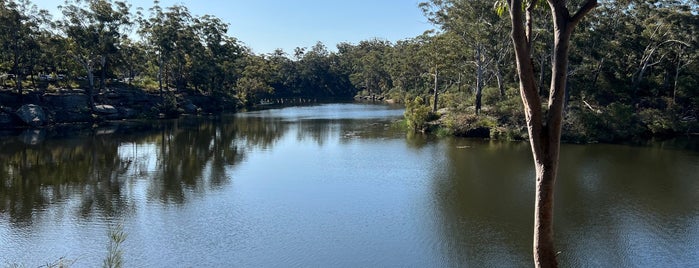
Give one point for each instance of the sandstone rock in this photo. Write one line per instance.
(32, 115)
(105, 109)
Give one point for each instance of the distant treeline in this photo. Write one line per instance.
(633, 68)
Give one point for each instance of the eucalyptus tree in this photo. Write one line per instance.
(368, 66)
(405, 70)
(152, 30)
(94, 29)
(481, 31)
(284, 75)
(214, 64)
(131, 59)
(442, 55)
(544, 124)
(171, 34)
(254, 81)
(20, 31)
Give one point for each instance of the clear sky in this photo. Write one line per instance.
(265, 25)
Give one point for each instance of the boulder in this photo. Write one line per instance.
(32, 115)
(106, 109)
(190, 108)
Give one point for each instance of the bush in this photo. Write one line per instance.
(657, 122)
(491, 96)
(616, 122)
(417, 114)
(454, 100)
(398, 95)
(168, 106)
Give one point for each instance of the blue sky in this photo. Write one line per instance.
(265, 25)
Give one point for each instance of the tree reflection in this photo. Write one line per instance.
(482, 197)
(614, 203)
(98, 169)
(34, 177)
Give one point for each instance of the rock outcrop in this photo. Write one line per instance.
(32, 115)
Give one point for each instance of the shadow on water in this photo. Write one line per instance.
(616, 205)
(483, 199)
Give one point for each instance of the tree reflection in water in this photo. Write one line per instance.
(93, 173)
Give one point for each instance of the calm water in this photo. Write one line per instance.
(334, 186)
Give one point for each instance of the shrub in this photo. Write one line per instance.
(656, 121)
(417, 114)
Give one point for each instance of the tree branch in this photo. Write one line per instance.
(586, 8)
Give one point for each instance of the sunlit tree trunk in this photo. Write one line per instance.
(436, 91)
(544, 126)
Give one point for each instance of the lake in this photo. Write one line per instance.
(333, 185)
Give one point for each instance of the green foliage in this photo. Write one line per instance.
(616, 122)
(168, 106)
(634, 53)
(397, 95)
(417, 114)
(115, 258)
(146, 83)
(491, 96)
(461, 124)
(658, 122)
(455, 100)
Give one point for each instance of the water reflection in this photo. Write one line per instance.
(107, 169)
(34, 177)
(482, 198)
(628, 206)
(171, 160)
(616, 205)
(335, 185)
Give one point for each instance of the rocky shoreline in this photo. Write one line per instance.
(36, 109)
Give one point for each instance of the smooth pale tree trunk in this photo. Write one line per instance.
(544, 128)
(436, 92)
(501, 82)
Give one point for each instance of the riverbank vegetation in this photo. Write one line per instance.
(633, 70)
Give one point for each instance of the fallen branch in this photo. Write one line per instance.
(591, 108)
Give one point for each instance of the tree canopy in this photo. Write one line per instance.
(632, 73)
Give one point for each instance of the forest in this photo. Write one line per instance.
(633, 71)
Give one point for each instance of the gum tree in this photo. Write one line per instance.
(544, 122)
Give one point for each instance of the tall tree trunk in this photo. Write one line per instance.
(498, 76)
(544, 129)
(90, 88)
(479, 77)
(160, 74)
(18, 76)
(436, 91)
(595, 77)
(677, 77)
(103, 72)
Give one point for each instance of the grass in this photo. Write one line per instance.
(115, 252)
